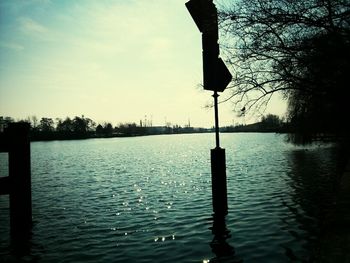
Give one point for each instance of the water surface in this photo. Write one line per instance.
(148, 199)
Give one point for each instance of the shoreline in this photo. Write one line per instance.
(73, 138)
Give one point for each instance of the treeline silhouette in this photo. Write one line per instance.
(84, 128)
(268, 123)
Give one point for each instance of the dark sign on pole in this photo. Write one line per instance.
(216, 76)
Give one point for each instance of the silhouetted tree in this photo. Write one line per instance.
(319, 106)
(108, 128)
(272, 120)
(33, 121)
(99, 129)
(271, 123)
(105, 130)
(128, 129)
(81, 126)
(298, 48)
(46, 125)
(65, 126)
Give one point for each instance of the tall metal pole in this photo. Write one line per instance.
(216, 112)
(218, 169)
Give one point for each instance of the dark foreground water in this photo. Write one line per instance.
(148, 199)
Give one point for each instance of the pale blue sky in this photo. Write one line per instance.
(110, 60)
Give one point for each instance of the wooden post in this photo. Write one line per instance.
(18, 183)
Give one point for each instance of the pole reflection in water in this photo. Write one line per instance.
(220, 247)
(17, 248)
(21, 246)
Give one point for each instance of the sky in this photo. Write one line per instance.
(110, 60)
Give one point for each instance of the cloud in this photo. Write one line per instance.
(29, 26)
(12, 46)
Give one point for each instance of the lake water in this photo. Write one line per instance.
(148, 199)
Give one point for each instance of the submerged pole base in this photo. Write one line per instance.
(218, 181)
